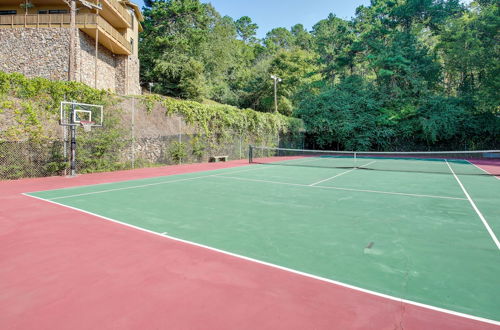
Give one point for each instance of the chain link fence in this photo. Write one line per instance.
(130, 139)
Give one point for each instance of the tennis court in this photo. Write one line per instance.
(412, 228)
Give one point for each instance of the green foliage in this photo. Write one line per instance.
(33, 103)
(197, 147)
(334, 42)
(39, 98)
(246, 29)
(57, 162)
(432, 68)
(190, 51)
(177, 151)
(351, 116)
(345, 114)
(469, 49)
(221, 120)
(279, 38)
(296, 68)
(171, 44)
(100, 150)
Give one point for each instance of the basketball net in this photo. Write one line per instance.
(87, 125)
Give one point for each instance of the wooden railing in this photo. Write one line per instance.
(35, 20)
(63, 20)
(119, 8)
(108, 28)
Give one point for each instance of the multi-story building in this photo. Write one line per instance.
(35, 41)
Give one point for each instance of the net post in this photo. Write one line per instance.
(355, 158)
(250, 154)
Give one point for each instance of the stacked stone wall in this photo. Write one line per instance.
(106, 64)
(127, 75)
(133, 76)
(41, 52)
(44, 52)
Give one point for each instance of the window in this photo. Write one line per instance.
(132, 14)
(8, 12)
(58, 11)
(52, 11)
(132, 44)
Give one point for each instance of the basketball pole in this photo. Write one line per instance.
(73, 141)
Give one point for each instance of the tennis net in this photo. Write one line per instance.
(485, 162)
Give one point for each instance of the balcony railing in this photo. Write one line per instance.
(108, 28)
(119, 8)
(83, 21)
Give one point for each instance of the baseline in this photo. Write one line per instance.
(323, 279)
(485, 223)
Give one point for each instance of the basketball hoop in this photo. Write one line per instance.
(87, 125)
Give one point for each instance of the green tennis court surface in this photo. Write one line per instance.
(413, 234)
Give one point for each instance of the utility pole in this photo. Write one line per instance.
(276, 81)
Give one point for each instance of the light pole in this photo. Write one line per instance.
(276, 81)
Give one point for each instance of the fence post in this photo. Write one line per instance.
(180, 137)
(241, 145)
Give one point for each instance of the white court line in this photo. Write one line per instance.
(167, 182)
(154, 184)
(131, 187)
(485, 223)
(323, 279)
(339, 188)
(340, 174)
(482, 169)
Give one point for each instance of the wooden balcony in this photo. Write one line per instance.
(109, 37)
(116, 14)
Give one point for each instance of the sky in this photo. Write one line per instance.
(269, 14)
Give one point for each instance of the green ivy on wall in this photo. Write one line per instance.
(31, 104)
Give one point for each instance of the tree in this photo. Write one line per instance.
(246, 29)
(343, 116)
(334, 39)
(400, 75)
(174, 32)
(277, 39)
(469, 49)
(303, 39)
